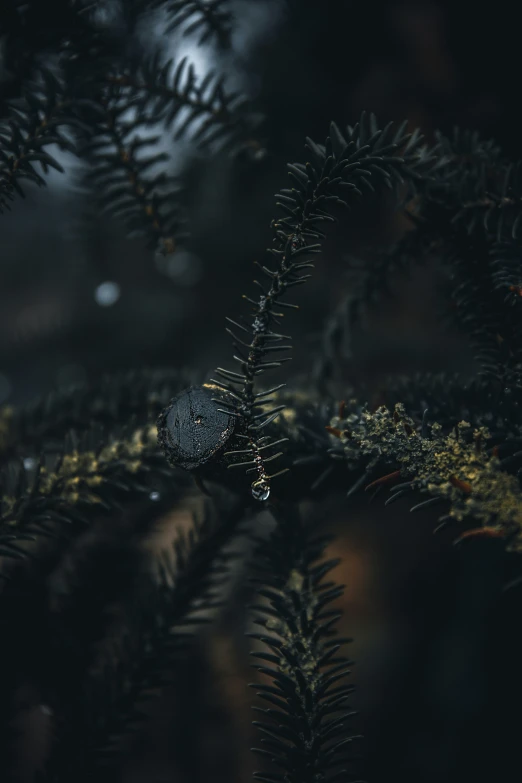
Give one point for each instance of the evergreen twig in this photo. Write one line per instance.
(64, 493)
(306, 729)
(181, 597)
(346, 164)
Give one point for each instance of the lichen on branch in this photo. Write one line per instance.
(458, 467)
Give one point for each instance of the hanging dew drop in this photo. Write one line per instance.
(260, 489)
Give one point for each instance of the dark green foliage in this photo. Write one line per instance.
(84, 481)
(29, 40)
(368, 283)
(42, 117)
(125, 164)
(305, 729)
(467, 216)
(162, 91)
(473, 207)
(98, 455)
(207, 17)
(167, 609)
(146, 202)
(451, 398)
(116, 400)
(306, 735)
(103, 93)
(337, 173)
(66, 491)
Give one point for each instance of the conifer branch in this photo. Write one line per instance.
(305, 730)
(87, 456)
(63, 496)
(506, 276)
(478, 309)
(351, 164)
(449, 399)
(476, 208)
(146, 202)
(179, 598)
(459, 467)
(123, 169)
(208, 16)
(495, 202)
(29, 41)
(367, 283)
(35, 122)
(114, 401)
(476, 286)
(164, 92)
(479, 250)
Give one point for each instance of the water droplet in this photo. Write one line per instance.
(260, 489)
(154, 496)
(29, 463)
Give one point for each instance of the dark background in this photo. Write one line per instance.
(436, 647)
(436, 64)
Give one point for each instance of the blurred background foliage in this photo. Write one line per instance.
(78, 298)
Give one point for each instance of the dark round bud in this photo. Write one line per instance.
(192, 429)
